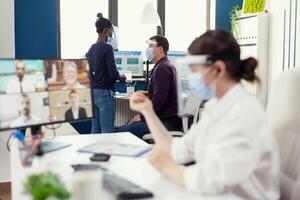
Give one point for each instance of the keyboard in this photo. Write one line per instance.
(121, 188)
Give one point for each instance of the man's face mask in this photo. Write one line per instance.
(150, 50)
(149, 53)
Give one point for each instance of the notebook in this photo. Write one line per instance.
(113, 148)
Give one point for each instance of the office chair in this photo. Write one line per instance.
(192, 110)
(284, 113)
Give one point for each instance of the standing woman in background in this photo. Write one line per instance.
(104, 75)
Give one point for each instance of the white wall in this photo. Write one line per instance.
(7, 33)
(280, 50)
(7, 50)
(212, 14)
(77, 25)
(4, 158)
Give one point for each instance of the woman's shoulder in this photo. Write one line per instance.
(250, 109)
(100, 45)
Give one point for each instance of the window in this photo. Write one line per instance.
(185, 20)
(132, 34)
(78, 30)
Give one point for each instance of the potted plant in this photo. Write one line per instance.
(45, 186)
(234, 14)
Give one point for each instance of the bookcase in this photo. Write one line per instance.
(253, 38)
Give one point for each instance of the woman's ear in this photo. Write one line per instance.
(105, 31)
(220, 68)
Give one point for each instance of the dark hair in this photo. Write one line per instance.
(102, 23)
(73, 91)
(221, 45)
(161, 41)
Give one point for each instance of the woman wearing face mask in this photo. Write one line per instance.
(104, 75)
(232, 145)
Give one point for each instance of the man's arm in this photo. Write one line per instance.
(161, 88)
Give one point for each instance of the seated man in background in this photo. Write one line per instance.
(75, 112)
(71, 76)
(22, 84)
(24, 109)
(162, 90)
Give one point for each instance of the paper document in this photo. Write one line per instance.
(112, 148)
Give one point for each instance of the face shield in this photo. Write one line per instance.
(187, 67)
(149, 52)
(113, 39)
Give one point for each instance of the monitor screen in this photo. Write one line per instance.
(174, 55)
(41, 92)
(130, 61)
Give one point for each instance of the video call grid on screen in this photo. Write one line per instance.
(40, 92)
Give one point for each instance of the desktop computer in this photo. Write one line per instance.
(174, 55)
(36, 93)
(130, 61)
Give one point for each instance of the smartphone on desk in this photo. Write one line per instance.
(100, 157)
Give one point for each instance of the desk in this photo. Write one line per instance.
(136, 170)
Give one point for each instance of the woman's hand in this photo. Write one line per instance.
(122, 77)
(140, 103)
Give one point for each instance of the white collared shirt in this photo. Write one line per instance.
(233, 147)
(21, 121)
(14, 86)
(75, 112)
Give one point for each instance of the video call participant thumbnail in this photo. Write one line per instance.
(24, 110)
(22, 84)
(75, 111)
(70, 75)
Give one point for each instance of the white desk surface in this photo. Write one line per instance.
(136, 170)
(122, 96)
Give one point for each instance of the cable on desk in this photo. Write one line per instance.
(8, 142)
(53, 128)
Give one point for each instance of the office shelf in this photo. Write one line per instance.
(253, 38)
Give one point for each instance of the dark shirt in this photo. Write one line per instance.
(103, 67)
(162, 92)
(81, 114)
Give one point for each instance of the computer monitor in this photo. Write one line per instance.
(130, 61)
(173, 55)
(42, 92)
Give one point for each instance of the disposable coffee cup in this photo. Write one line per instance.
(87, 185)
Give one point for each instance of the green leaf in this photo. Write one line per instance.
(233, 18)
(44, 185)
